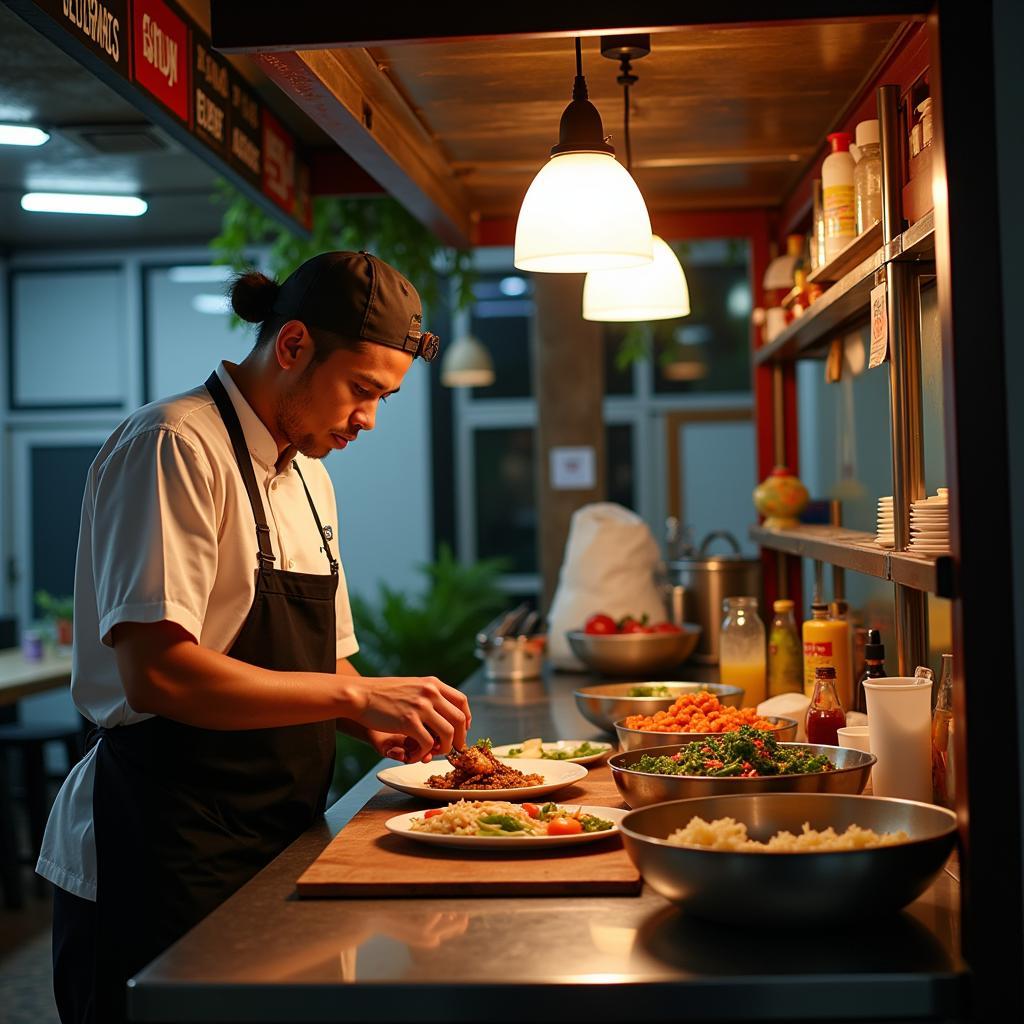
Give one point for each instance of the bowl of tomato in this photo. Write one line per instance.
(633, 647)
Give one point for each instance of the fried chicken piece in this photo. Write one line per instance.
(474, 761)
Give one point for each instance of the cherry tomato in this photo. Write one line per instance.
(564, 827)
(433, 812)
(600, 625)
(632, 626)
(532, 810)
(666, 627)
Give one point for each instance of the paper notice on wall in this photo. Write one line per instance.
(879, 327)
(573, 469)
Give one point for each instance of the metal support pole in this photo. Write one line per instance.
(835, 509)
(904, 327)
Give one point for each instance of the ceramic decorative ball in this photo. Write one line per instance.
(780, 499)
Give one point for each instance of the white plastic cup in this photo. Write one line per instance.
(899, 731)
(855, 737)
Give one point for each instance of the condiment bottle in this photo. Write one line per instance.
(785, 655)
(867, 176)
(874, 668)
(826, 642)
(741, 649)
(839, 611)
(825, 715)
(838, 195)
(943, 729)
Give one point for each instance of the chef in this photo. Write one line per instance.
(213, 631)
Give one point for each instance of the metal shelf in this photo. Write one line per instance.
(866, 244)
(847, 300)
(851, 549)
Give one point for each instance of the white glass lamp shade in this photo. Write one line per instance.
(779, 273)
(657, 291)
(582, 212)
(467, 364)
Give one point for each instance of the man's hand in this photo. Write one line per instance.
(394, 745)
(429, 715)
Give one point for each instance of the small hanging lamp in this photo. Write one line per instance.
(467, 364)
(657, 290)
(583, 210)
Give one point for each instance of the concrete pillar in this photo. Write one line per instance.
(568, 368)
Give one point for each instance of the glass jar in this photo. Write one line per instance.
(785, 652)
(742, 659)
(867, 186)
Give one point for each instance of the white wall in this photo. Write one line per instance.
(385, 499)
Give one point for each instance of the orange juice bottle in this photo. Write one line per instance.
(827, 644)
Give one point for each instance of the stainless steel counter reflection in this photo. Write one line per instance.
(266, 955)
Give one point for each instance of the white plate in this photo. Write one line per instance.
(401, 825)
(502, 752)
(412, 779)
(931, 548)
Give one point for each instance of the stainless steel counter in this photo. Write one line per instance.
(267, 956)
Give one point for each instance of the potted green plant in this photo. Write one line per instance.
(60, 611)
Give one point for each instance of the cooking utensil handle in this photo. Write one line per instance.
(718, 535)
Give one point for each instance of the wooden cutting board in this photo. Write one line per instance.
(365, 860)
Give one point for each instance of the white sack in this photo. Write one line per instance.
(609, 566)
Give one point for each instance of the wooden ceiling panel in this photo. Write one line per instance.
(720, 116)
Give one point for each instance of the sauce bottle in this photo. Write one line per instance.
(826, 642)
(785, 666)
(874, 668)
(825, 715)
(839, 611)
(838, 195)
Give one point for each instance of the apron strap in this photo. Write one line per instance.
(227, 411)
(323, 536)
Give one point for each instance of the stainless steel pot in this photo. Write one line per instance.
(708, 580)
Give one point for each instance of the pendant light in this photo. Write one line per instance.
(467, 364)
(583, 210)
(657, 291)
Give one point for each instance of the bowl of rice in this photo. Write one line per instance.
(789, 858)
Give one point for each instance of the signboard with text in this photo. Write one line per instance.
(156, 56)
(161, 54)
(99, 25)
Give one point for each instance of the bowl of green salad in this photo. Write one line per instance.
(747, 761)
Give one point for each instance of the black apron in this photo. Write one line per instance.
(185, 816)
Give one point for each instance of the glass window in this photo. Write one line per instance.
(619, 453)
(506, 511)
(501, 318)
(188, 327)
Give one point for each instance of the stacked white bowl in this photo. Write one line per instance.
(885, 536)
(929, 524)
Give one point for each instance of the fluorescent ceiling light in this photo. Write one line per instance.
(21, 135)
(216, 305)
(70, 202)
(200, 275)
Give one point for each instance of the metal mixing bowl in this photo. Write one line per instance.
(627, 654)
(605, 703)
(791, 888)
(641, 739)
(640, 789)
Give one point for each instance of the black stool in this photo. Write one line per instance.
(29, 740)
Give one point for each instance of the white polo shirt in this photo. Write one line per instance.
(168, 533)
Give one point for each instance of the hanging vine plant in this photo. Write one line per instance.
(379, 225)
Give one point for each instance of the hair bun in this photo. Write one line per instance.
(253, 295)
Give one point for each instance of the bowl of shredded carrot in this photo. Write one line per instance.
(696, 716)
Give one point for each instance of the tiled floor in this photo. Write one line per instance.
(26, 992)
